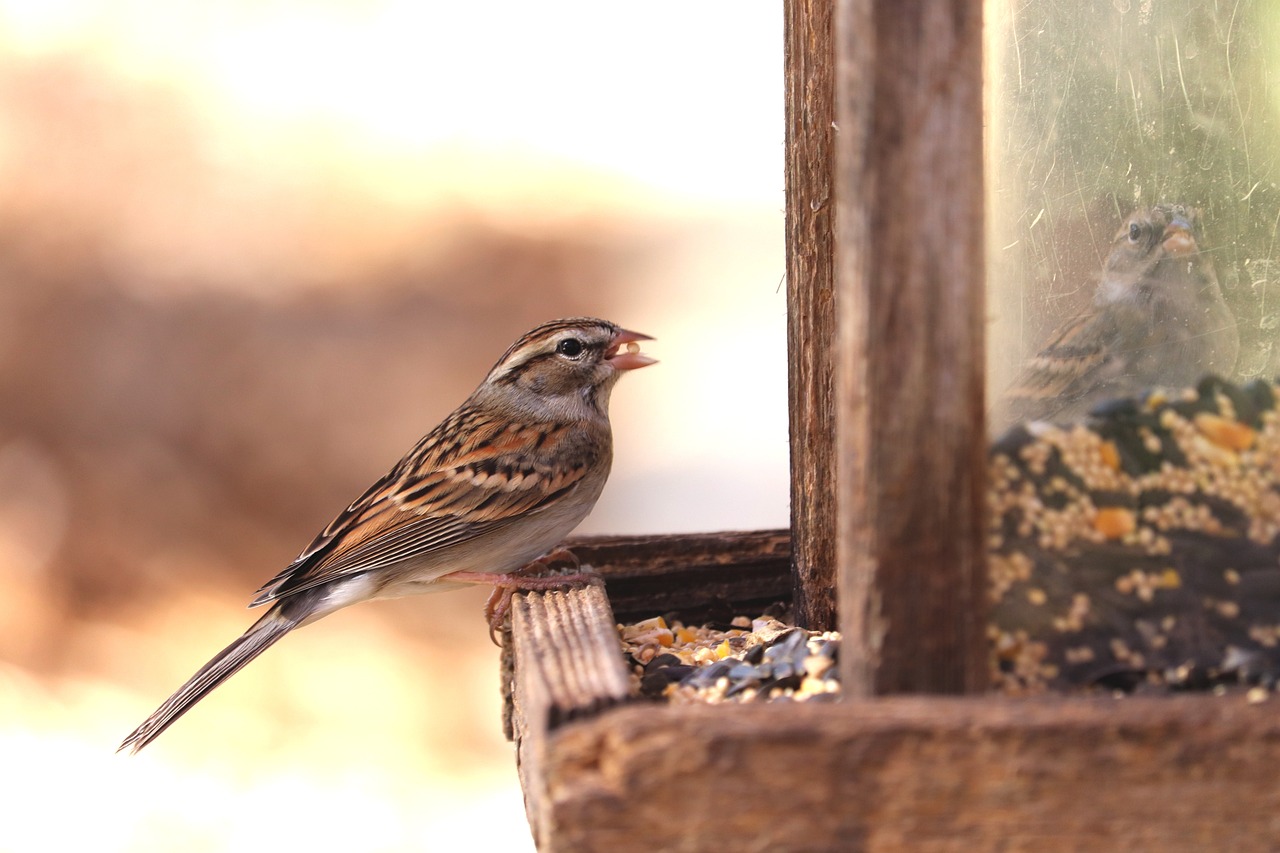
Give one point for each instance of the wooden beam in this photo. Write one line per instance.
(702, 576)
(560, 662)
(910, 773)
(909, 383)
(811, 323)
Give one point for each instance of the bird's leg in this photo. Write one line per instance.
(525, 578)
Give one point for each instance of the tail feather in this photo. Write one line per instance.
(253, 642)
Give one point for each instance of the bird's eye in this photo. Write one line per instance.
(570, 347)
(1135, 232)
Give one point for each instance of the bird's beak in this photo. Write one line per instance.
(1178, 240)
(624, 351)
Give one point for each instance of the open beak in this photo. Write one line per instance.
(1178, 240)
(624, 351)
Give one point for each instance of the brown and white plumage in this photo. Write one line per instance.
(1158, 319)
(498, 484)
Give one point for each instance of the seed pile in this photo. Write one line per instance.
(1139, 548)
(753, 660)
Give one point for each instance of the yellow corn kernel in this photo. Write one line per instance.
(1114, 522)
(1225, 432)
(1110, 455)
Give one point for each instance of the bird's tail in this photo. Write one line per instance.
(253, 642)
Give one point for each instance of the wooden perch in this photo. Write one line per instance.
(692, 574)
(566, 662)
(695, 574)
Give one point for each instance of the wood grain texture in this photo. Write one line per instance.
(811, 313)
(909, 773)
(910, 361)
(566, 663)
(694, 574)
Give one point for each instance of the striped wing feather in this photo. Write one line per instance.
(440, 494)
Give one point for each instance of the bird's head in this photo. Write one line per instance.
(565, 364)
(1153, 244)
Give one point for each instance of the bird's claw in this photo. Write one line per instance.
(530, 578)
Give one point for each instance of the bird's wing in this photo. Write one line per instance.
(1082, 356)
(443, 493)
(1074, 351)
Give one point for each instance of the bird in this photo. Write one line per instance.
(485, 497)
(1158, 318)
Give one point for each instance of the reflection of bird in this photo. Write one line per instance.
(1158, 318)
(486, 493)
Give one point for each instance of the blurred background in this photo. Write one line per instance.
(249, 253)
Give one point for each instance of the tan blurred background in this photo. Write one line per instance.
(249, 253)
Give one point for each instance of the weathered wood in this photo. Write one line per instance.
(694, 574)
(568, 655)
(567, 663)
(908, 773)
(910, 357)
(811, 322)
(899, 773)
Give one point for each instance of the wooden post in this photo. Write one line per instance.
(909, 367)
(811, 313)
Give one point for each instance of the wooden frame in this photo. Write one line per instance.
(911, 445)
(905, 432)
(811, 306)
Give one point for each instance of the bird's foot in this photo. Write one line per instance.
(527, 578)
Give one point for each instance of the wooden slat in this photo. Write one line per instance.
(811, 313)
(908, 773)
(567, 663)
(697, 575)
(910, 365)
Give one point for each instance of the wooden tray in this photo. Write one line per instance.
(602, 770)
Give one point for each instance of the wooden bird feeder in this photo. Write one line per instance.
(885, 245)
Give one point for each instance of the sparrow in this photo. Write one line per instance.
(1158, 319)
(480, 499)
